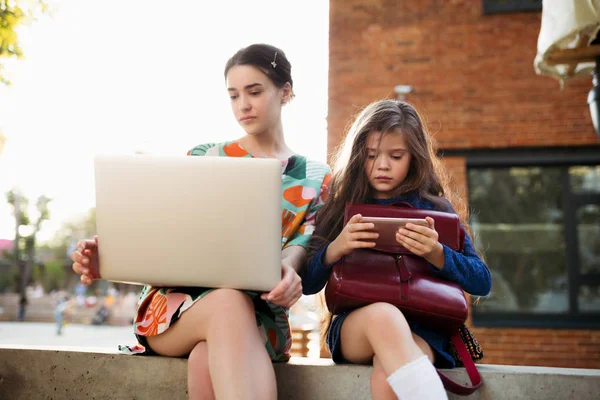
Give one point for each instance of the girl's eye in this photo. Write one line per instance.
(371, 156)
(233, 96)
(397, 157)
(255, 93)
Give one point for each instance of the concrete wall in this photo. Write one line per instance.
(53, 374)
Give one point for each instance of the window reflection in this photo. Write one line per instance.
(588, 234)
(585, 179)
(517, 214)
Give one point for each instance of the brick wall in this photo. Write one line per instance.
(457, 171)
(542, 347)
(473, 82)
(472, 75)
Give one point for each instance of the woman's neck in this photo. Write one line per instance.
(269, 143)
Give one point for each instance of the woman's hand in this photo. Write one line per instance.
(355, 235)
(288, 290)
(422, 241)
(85, 260)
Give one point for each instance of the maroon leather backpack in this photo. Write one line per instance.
(392, 274)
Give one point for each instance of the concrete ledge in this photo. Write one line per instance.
(71, 373)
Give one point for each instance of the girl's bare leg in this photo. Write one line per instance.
(380, 389)
(392, 340)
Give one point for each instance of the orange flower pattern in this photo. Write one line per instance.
(305, 185)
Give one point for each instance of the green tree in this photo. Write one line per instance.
(25, 234)
(13, 14)
(69, 233)
(64, 241)
(51, 275)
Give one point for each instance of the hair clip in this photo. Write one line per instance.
(273, 63)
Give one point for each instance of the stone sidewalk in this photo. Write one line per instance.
(77, 335)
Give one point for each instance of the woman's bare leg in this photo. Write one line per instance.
(239, 365)
(198, 381)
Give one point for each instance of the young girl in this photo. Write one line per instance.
(388, 157)
(232, 336)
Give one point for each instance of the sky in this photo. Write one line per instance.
(121, 76)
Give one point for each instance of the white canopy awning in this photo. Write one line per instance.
(568, 27)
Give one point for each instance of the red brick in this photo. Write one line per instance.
(472, 75)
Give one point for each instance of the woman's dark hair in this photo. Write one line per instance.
(269, 59)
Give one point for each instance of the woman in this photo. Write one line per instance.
(231, 335)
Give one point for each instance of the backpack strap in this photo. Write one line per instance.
(467, 361)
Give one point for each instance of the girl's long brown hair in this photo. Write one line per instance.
(426, 176)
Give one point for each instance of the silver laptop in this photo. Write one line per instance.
(189, 221)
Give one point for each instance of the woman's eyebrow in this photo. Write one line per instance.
(251, 86)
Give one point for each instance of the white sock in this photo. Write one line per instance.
(417, 380)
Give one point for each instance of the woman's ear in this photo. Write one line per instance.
(287, 93)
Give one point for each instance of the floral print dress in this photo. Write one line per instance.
(304, 188)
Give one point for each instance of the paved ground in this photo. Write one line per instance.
(44, 334)
(90, 337)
